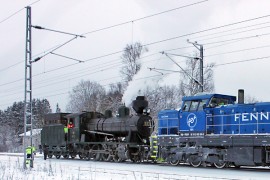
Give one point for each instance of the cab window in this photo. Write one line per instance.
(194, 105)
(218, 102)
(186, 106)
(202, 103)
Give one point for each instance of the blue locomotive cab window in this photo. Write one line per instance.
(202, 104)
(186, 106)
(218, 102)
(194, 105)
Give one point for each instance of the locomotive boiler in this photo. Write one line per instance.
(125, 125)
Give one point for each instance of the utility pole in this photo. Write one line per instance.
(28, 117)
(200, 48)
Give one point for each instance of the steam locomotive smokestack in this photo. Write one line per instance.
(241, 96)
(139, 104)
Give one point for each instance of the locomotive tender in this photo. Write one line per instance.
(92, 135)
(213, 129)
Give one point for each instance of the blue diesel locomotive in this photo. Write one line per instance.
(212, 129)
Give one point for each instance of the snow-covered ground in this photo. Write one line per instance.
(11, 167)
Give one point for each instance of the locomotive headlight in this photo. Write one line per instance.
(148, 110)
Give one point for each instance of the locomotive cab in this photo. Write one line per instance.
(193, 117)
(194, 113)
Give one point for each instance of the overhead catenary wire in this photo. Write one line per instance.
(17, 12)
(239, 50)
(58, 78)
(76, 63)
(131, 21)
(145, 17)
(117, 52)
(173, 71)
(152, 43)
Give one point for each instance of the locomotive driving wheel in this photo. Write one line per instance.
(220, 164)
(95, 155)
(105, 156)
(194, 161)
(82, 155)
(174, 162)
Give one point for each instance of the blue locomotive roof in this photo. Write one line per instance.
(208, 96)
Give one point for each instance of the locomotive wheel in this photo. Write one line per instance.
(220, 164)
(116, 158)
(135, 155)
(49, 156)
(73, 156)
(66, 156)
(88, 156)
(193, 160)
(57, 156)
(105, 156)
(174, 162)
(236, 166)
(136, 158)
(82, 156)
(95, 155)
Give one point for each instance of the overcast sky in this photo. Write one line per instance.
(246, 43)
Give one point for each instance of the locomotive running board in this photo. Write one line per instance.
(96, 132)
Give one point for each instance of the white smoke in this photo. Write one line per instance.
(138, 85)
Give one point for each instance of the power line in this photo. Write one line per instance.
(80, 72)
(236, 39)
(234, 29)
(172, 71)
(229, 63)
(113, 53)
(117, 52)
(246, 60)
(205, 30)
(145, 17)
(234, 33)
(240, 50)
(13, 14)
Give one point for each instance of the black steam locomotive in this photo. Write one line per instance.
(92, 135)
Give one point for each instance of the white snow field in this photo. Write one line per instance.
(11, 168)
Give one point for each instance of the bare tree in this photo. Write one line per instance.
(87, 96)
(162, 97)
(188, 86)
(113, 97)
(251, 99)
(130, 59)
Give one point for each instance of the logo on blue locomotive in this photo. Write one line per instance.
(191, 120)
